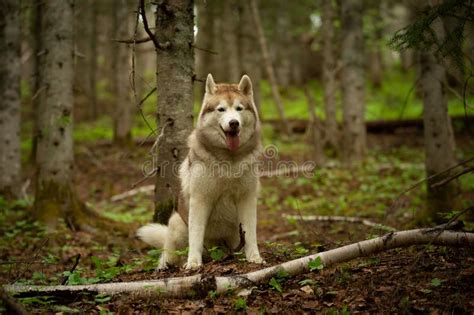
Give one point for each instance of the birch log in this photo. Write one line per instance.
(201, 284)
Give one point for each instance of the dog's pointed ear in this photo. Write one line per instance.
(245, 85)
(210, 85)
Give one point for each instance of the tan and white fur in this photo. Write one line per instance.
(219, 182)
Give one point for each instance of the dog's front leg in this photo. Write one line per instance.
(198, 216)
(247, 208)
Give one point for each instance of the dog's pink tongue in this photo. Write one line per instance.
(233, 142)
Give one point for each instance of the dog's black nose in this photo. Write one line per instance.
(234, 124)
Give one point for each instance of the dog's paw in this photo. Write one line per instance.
(256, 259)
(162, 265)
(193, 263)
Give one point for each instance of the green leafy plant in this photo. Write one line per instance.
(216, 253)
(275, 284)
(315, 264)
(240, 304)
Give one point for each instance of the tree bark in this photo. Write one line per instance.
(331, 129)
(375, 55)
(35, 29)
(93, 110)
(314, 129)
(55, 193)
(353, 99)
(10, 102)
(122, 113)
(230, 43)
(250, 61)
(438, 133)
(204, 39)
(201, 284)
(174, 78)
(268, 66)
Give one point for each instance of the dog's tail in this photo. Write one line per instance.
(153, 234)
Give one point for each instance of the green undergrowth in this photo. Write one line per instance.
(370, 190)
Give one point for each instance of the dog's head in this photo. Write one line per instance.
(228, 116)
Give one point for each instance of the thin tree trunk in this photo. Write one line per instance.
(200, 284)
(353, 99)
(438, 133)
(250, 61)
(204, 39)
(10, 102)
(93, 110)
(375, 54)
(331, 130)
(174, 73)
(55, 193)
(230, 41)
(122, 112)
(283, 44)
(314, 129)
(268, 66)
(35, 29)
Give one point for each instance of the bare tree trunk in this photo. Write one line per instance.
(217, 69)
(438, 133)
(55, 193)
(331, 135)
(122, 112)
(283, 44)
(35, 29)
(269, 67)
(353, 100)
(10, 102)
(93, 110)
(250, 61)
(204, 39)
(174, 73)
(375, 55)
(314, 129)
(230, 41)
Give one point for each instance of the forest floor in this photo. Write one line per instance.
(421, 279)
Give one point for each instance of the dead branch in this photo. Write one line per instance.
(451, 178)
(201, 284)
(152, 36)
(133, 192)
(133, 41)
(336, 218)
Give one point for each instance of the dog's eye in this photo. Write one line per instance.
(221, 109)
(239, 108)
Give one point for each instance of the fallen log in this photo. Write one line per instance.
(201, 284)
(377, 126)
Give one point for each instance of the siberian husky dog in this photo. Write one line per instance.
(219, 180)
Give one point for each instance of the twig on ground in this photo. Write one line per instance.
(133, 192)
(336, 218)
(65, 278)
(201, 284)
(276, 237)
